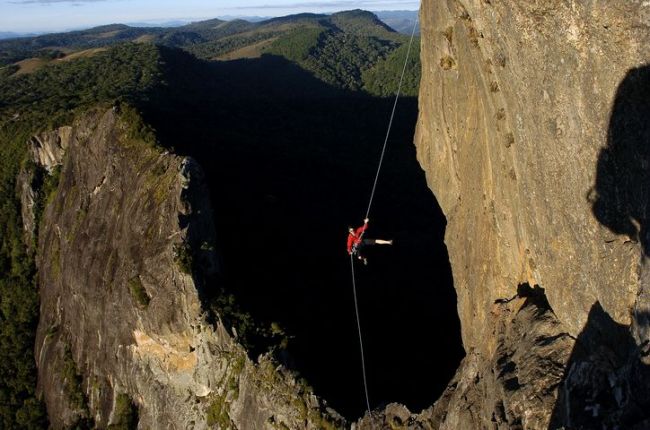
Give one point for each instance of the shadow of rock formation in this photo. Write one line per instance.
(623, 170)
(623, 185)
(606, 383)
(607, 378)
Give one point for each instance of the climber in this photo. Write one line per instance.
(356, 241)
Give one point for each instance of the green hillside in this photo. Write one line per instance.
(383, 78)
(351, 50)
(361, 22)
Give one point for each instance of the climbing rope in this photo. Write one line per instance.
(392, 115)
(372, 195)
(356, 309)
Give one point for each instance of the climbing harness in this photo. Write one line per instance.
(372, 195)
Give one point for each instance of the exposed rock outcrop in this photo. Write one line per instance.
(49, 147)
(47, 150)
(533, 134)
(25, 191)
(124, 251)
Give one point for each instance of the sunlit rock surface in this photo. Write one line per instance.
(534, 136)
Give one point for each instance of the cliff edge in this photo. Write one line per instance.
(533, 134)
(126, 252)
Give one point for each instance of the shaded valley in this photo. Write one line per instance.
(290, 163)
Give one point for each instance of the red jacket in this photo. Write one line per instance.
(354, 239)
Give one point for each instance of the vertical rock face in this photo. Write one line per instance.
(513, 387)
(122, 248)
(534, 135)
(47, 150)
(27, 195)
(515, 109)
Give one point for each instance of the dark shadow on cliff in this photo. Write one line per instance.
(290, 162)
(621, 193)
(606, 385)
(534, 295)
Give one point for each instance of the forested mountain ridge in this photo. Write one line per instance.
(351, 50)
(401, 21)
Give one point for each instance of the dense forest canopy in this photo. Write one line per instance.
(343, 49)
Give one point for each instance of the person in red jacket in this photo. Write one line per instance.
(356, 241)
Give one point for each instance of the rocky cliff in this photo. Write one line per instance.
(126, 253)
(534, 136)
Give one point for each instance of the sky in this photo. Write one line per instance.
(64, 15)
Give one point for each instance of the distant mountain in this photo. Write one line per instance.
(170, 23)
(13, 35)
(400, 20)
(245, 18)
(341, 49)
